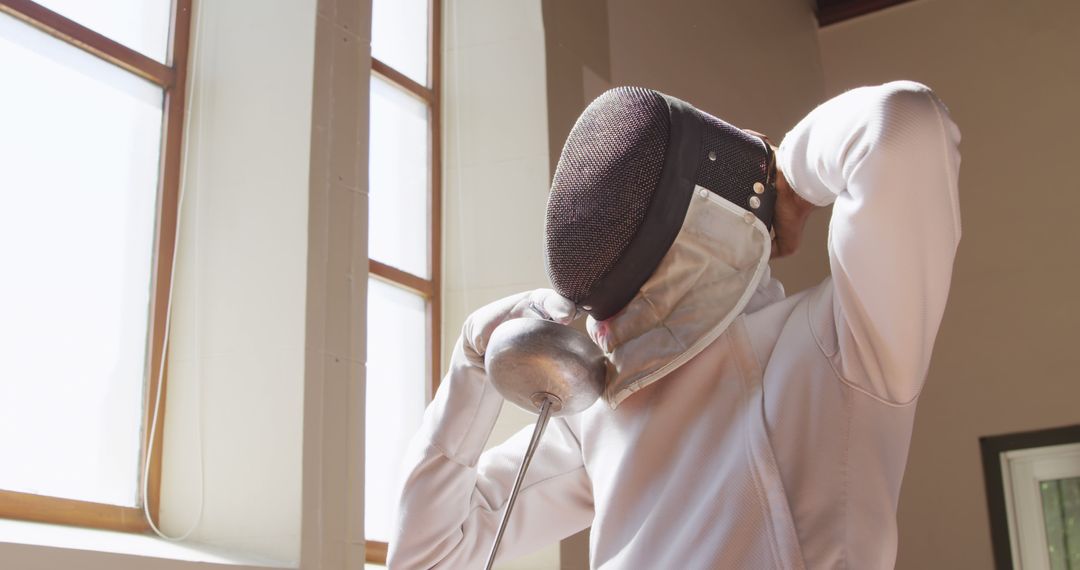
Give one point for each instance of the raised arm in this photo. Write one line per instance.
(452, 498)
(886, 157)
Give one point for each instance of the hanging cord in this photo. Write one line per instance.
(168, 315)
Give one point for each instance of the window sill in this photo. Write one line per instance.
(35, 545)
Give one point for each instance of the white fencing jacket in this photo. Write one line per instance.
(780, 441)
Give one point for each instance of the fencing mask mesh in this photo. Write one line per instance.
(623, 185)
(609, 169)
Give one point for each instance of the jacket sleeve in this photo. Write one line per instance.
(453, 495)
(886, 157)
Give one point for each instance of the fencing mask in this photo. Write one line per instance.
(624, 184)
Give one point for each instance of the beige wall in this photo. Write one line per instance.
(755, 64)
(1006, 358)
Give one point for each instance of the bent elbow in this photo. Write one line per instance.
(911, 114)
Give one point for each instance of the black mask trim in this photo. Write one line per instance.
(663, 220)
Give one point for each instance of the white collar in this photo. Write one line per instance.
(717, 267)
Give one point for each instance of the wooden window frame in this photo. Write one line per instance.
(430, 289)
(172, 79)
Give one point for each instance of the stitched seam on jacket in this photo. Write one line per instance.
(844, 491)
(763, 499)
(810, 302)
(472, 425)
(850, 384)
(954, 193)
(497, 510)
(524, 488)
(448, 455)
(577, 440)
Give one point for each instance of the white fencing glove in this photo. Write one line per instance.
(466, 405)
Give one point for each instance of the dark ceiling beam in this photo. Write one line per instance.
(833, 11)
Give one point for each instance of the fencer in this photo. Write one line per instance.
(739, 427)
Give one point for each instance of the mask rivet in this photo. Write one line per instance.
(748, 218)
(755, 202)
(712, 155)
(759, 188)
(703, 193)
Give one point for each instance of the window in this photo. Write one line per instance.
(1033, 495)
(91, 112)
(404, 226)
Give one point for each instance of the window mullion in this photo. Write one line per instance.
(401, 80)
(394, 275)
(88, 40)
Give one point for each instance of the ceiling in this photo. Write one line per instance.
(833, 11)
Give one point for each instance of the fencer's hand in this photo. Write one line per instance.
(791, 212)
(789, 218)
(459, 420)
(539, 303)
